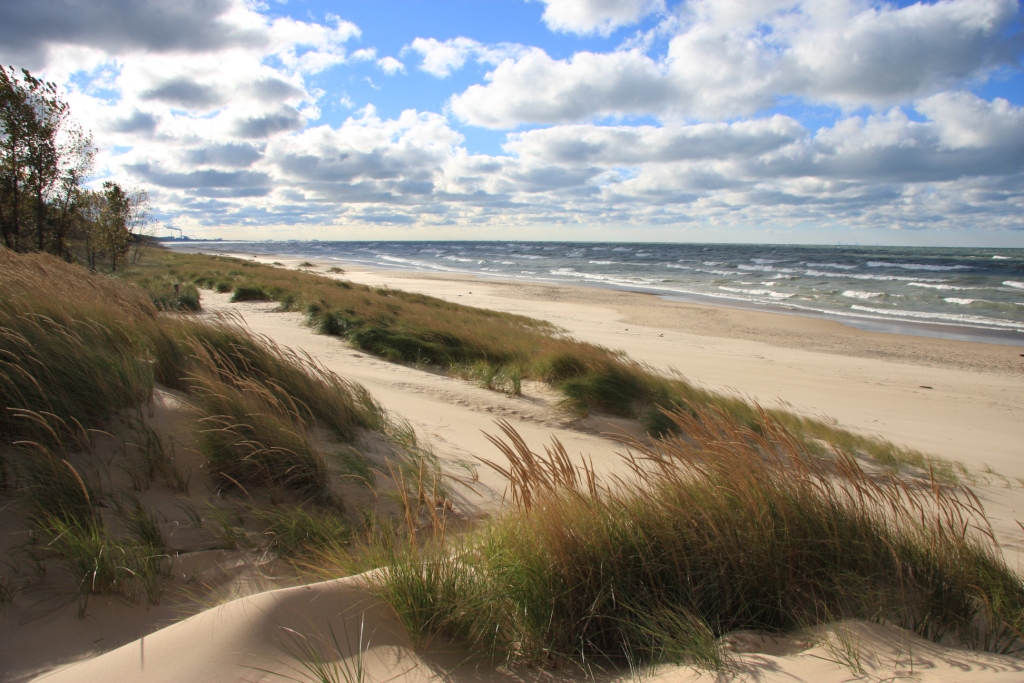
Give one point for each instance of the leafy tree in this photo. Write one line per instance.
(112, 223)
(44, 157)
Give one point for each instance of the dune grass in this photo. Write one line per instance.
(727, 528)
(80, 354)
(497, 350)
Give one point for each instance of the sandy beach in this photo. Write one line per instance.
(950, 399)
(953, 399)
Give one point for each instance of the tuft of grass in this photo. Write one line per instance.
(326, 658)
(71, 345)
(251, 293)
(726, 528)
(294, 531)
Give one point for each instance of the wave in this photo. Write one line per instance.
(603, 263)
(879, 278)
(1014, 283)
(944, 318)
(914, 266)
(943, 287)
(757, 292)
(998, 257)
(766, 269)
(854, 294)
(840, 266)
(418, 264)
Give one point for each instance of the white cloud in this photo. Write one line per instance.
(440, 58)
(732, 59)
(626, 145)
(538, 89)
(597, 16)
(965, 121)
(390, 65)
(223, 129)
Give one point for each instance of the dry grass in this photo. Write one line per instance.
(497, 350)
(727, 528)
(79, 356)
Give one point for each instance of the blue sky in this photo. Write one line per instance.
(708, 120)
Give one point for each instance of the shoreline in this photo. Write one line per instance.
(928, 329)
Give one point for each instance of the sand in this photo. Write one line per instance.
(870, 382)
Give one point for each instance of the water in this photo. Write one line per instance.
(960, 293)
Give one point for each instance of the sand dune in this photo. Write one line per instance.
(870, 382)
(260, 639)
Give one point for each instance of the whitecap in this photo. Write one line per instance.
(855, 294)
(914, 266)
(840, 266)
(934, 286)
(1014, 283)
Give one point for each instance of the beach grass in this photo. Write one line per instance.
(499, 351)
(80, 355)
(724, 529)
(734, 518)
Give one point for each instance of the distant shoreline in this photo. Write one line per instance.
(936, 330)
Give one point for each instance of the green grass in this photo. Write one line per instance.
(80, 353)
(294, 531)
(726, 529)
(497, 350)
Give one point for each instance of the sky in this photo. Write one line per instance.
(819, 121)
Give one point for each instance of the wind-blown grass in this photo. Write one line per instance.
(498, 350)
(80, 353)
(726, 528)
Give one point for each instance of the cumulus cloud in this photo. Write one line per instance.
(597, 16)
(625, 145)
(731, 59)
(184, 93)
(225, 129)
(29, 30)
(441, 58)
(137, 122)
(231, 154)
(390, 65)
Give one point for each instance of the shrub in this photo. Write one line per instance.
(251, 294)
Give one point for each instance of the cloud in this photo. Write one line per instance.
(184, 93)
(284, 119)
(625, 145)
(136, 122)
(207, 178)
(226, 131)
(440, 58)
(225, 154)
(733, 59)
(597, 16)
(28, 30)
(390, 65)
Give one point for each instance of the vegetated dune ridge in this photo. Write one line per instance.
(251, 632)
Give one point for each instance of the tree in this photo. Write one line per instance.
(44, 157)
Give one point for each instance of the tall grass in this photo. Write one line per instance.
(71, 344)
(498, 350)
(726, 528)
(80, 352)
